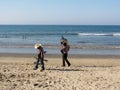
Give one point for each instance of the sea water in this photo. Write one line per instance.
(83, 39)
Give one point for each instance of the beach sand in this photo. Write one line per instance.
(85, 73)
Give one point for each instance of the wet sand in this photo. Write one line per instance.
(87, 72)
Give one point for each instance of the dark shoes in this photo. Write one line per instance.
(69, 65)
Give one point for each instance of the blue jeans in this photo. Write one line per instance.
(42, 63)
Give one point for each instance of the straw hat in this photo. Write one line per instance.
(37, 45)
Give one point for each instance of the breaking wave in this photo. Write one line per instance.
(99, 34)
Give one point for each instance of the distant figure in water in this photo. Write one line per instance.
(65, 47)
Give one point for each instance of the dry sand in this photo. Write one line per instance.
(85, 73)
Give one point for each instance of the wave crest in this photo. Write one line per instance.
(99, 34)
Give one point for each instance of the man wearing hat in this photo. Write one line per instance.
(40, 56)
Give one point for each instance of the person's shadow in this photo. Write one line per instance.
(76, 69)
(66, 69)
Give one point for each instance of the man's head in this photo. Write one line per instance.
(64, 44)
(63, 40)
(37, 46)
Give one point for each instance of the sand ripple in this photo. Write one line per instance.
(23, 77)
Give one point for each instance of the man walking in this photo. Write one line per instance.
(40, 56)
(64, 50)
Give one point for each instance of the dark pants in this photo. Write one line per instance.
(64, 57)
(42, 63)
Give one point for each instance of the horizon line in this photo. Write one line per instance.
(67, 24)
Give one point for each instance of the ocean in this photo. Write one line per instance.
(83, 39)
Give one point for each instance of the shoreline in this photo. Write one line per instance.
(57, 46)
(59, 55)
(75, 50)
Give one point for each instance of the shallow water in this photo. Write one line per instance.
(94, 39)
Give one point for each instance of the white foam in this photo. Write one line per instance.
(93, 34)
(116, 34)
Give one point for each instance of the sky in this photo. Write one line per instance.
(60, 12)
